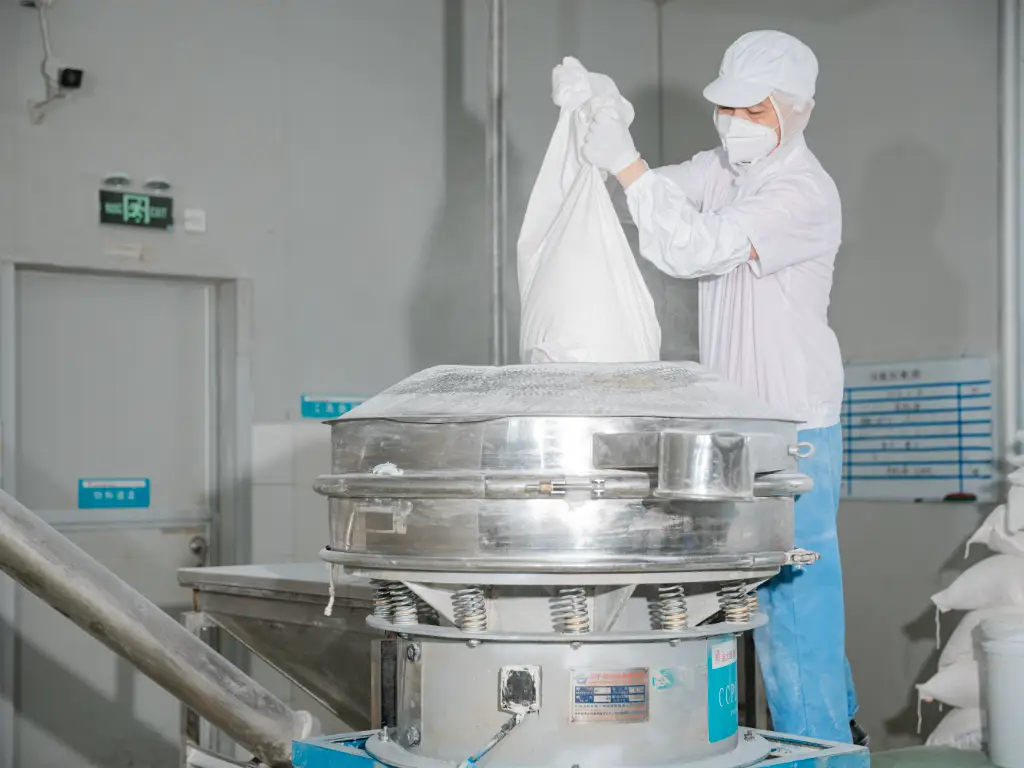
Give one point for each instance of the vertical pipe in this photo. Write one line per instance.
(1009, 138)
(496, 176)
(659, 11)
(8, 452)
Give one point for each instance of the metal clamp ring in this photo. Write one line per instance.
(802, 450)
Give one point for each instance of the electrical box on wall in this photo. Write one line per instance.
(136, 210)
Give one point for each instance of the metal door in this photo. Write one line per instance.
(115, 445)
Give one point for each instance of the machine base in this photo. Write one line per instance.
(751, 750)
(349, 751)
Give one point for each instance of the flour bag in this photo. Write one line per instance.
(960, 729)
(996, 581)
(583, 297)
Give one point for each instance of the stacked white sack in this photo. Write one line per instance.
(959, 729)
(1003, 530)
(991, 588)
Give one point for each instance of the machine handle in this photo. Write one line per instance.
(782, 484)
(704, 466)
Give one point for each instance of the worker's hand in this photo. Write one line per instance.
(608, 145)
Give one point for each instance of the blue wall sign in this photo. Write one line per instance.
(318, 407)
(113, 493)
(723, 701)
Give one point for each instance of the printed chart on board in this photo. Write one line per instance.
(919, 431)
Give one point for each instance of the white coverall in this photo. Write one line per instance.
(764, 326)
(763, 323)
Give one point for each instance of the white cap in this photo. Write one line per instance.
(760, 63)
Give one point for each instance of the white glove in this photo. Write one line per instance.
(608, 145)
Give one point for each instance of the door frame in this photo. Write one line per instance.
(230, 523)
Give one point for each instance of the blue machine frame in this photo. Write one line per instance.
(347, 751)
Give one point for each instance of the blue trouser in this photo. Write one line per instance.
(802, 649)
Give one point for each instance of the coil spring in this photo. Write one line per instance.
(403, 604)
(382, 601)
(733, 600)
(671, 607)
(753, 604)
(569, 611)
(470, 609)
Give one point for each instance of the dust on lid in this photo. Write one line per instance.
(683, 390)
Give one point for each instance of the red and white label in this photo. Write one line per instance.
(723, 654)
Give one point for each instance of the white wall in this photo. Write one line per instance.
(906, 123)
(8, 91)
(290, 124)
(336, 146)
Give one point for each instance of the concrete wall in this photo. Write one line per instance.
(906, 122)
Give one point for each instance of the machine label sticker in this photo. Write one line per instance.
(609, 696)
(723, 698)
(113, 493)
(319, 407)
(662, 679)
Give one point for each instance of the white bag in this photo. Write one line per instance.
(961, 643)
(960, 729)
(995, 581)
(958, 685)
(583, 297)
(1003, 529)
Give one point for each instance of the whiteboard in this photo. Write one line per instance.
(919, 431)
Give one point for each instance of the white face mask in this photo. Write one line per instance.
(743, 140)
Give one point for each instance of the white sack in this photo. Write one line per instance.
(957, 685)
(960, 729)
(961, 643)
(583, 297)
(995, 581)
(1003, 529)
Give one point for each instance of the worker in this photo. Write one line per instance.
(758, 222)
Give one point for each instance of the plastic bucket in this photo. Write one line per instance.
(1002, 688)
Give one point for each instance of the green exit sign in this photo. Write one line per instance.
(136, 210)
